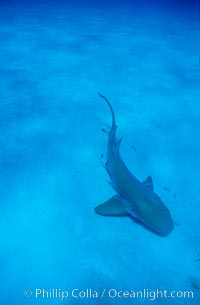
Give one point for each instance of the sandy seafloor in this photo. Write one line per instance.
(53, 60)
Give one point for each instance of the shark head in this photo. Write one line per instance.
(155, 216)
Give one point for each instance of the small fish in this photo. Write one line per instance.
(133, 198)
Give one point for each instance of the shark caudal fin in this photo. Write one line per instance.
(112, 207)
(111, 109)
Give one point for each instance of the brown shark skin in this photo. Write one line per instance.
(138, 199)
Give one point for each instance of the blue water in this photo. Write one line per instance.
(54, 57)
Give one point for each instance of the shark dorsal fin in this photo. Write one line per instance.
(149, 182)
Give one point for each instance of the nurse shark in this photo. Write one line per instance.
(133, 198)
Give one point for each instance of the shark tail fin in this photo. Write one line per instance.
(112, 207)
(111, 109)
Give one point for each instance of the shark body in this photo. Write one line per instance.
(134, 198)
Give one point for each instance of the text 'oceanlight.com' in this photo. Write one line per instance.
(112, 294)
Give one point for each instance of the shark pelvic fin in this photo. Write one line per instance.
(112, 207)
(149, 182)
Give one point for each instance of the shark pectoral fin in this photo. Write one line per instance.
(149, 182)
(113, 207)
